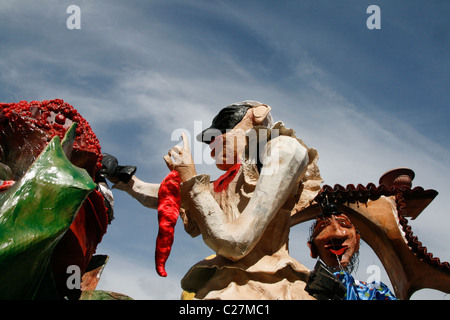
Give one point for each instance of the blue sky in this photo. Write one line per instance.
(367, 100)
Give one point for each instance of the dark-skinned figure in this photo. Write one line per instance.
(335, 240)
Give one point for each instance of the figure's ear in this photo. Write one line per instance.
(314, 252)
(260, 113)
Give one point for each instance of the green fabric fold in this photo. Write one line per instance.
(34, 214)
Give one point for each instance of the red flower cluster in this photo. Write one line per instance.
(53, 117)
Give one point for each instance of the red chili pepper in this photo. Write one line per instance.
(168, 212)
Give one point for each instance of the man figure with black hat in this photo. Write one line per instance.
(245, 215)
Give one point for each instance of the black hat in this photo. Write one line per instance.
(225, 120)
(331, 209)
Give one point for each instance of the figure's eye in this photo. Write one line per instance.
(212, 139)
(321, 224)
(344, 222)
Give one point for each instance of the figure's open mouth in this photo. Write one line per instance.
(336, 247)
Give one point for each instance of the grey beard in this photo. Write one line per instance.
(352, 265)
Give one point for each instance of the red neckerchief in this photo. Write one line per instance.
(225, 179)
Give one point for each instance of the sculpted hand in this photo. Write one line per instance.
(180, 160)
(113, 171)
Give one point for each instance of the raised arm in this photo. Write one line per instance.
(124, 179)
(144, 192)
(283, 168)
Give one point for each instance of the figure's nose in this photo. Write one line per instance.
(337, 229)
(216, 141)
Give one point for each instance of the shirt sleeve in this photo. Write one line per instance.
(144, 192)
(360, 290)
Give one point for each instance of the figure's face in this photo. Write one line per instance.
(227, 148)
(336, 240)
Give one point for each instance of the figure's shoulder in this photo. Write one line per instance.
(282, 136)
(286, 147)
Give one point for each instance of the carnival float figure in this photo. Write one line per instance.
(379, 214)
(245, 215)
(272, 183)
(54, 205)
(335, 241)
